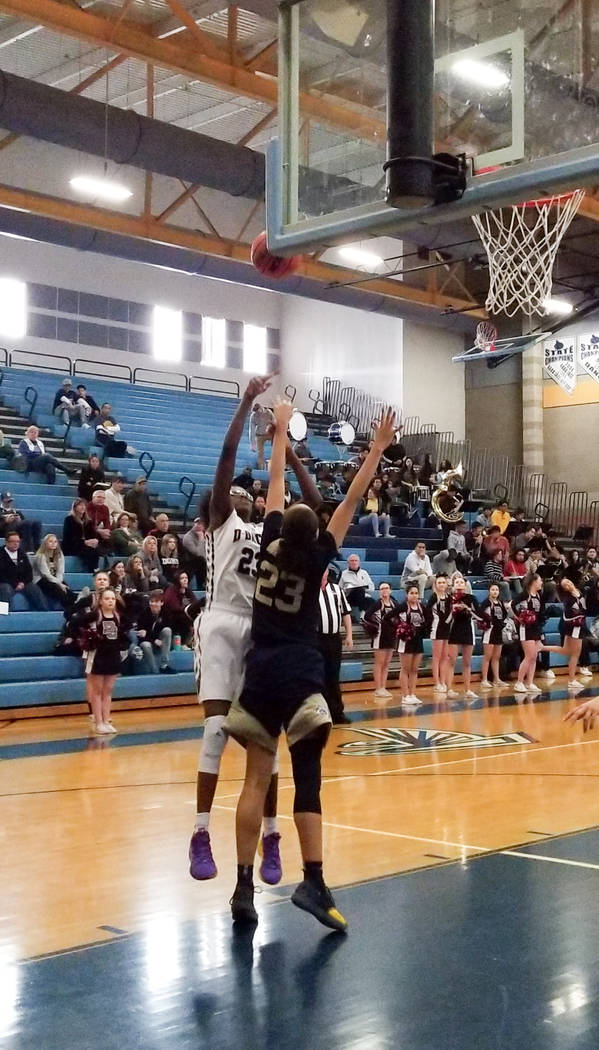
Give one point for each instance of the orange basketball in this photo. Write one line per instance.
(274, 266)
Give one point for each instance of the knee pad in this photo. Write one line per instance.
(305, 762)
(213, 744)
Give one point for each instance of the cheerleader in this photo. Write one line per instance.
(574, 630)
(438, 612)
(461, 634)
(411, 628)
(529, 613)
(381, 622)
(105, 639)
(494, 613)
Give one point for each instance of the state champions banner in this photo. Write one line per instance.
(588, 353)
(559, 360)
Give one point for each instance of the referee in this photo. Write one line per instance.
(334, 611)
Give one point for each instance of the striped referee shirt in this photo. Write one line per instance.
(333, 607)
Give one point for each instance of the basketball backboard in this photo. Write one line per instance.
(515, 89)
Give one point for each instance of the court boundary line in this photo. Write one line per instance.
(550, 860)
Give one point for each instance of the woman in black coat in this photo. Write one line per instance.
(92, 475)
(79, 536)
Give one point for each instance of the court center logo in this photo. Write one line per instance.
(400, 741)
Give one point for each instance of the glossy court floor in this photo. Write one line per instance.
(462, 842)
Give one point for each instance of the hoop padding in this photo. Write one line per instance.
(521, 242)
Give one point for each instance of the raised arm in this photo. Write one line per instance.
(220, 501)
(308, 487)
(275, 499)
(383, 436)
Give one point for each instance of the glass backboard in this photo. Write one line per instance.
(516, 89)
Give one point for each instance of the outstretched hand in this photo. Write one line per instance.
(283, 412)
(257, 386)
(586, 712)
(385, 429)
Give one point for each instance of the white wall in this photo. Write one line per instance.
(433, 385)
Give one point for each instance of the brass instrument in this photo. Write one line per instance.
(446, 503)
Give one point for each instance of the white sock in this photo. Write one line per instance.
(202, 821)
(269, 825)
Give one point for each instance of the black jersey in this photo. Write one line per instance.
(574, 615)
(438, 613)
(494, 614)
(286, 605)
(529, 610)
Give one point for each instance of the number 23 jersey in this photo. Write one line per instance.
(231, 564)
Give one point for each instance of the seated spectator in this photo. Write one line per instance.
(79, 536)
(484, 517)
(162, 529)
(517, 524)
(373, 514)
(106, 429)
(257, 488)
(261, 422)
(494, 541)
(169, 557)
(194, 551)
(13, 520)
(138, 502)
(117, 576)
(155, 636)
(574, 567)
(16, 574)
(426, 471)
(245, 480)
(48, 573)
(113, 497)
(177, 598)
(31, 455)
(97, 512)
(357, 585)
(524, 539)
(92, 476)
(303, 452)
(417, 569)
(590, 565)
(501, 516)
(86, 401)
(456, 540)
(122, 538)
(515, 570)
(445, 563)
(7, 452)
(494, 573)
(135, 582)
(65, 404)
(258, 510)
(151, 563)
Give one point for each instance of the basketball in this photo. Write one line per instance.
(275, 266)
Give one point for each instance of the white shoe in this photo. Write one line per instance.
(532, 688)
(585, 672)
(471, 695)
(549, 675)
(102, 729)
(519, 687)
(110, 727)
(574, 686)
(381, 694)
(485, 684)
(452, 695)
(440, 688)
(411, 701)
(499, 684)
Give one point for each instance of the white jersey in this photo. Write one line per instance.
(231, 563)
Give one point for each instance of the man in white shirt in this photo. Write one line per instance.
(357, 585)
(114, 497)
(417, 569)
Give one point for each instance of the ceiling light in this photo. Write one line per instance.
(98, 186)
(360, 257)
(484, 74)
(557, 306)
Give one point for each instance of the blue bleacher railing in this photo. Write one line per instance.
(147, 463)
(84, 366)
(30, 396)
(66, 364)
(172, 378)
(4, 351)
(213, 385)
(188, 488)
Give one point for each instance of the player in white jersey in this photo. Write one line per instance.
(222, 634)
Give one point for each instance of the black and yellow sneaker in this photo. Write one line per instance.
(242, 904)
(318, 900)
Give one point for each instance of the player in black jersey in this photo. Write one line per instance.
(285, 674)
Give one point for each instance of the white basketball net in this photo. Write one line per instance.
(521, 242)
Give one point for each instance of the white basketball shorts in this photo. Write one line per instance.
(224, 640)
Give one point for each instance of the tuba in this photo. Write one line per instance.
(446, 503)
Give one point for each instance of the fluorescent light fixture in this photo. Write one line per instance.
(360, 257)
(254, 349)
(13, 308)
(557, 306)
(485, 74)
(167, 334)
(98, 186)
(214, 341)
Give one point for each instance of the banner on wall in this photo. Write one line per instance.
(588, 353)
(560, 363)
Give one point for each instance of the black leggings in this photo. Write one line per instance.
(305, 762)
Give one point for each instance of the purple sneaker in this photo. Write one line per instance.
(202, 864)
(270, 869)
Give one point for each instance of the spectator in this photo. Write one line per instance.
(7, 452)
(48, 573)
(177, 598)
(97, 512)
(114, 498)
(92, 476)
(494, 541)
(524, 539)
(65, 405)
(515, 570)
(258, 510)
(484, 517)
(256, 489)
(135, 583)
(494, 573)
(106, 428)
(357, 585)
(457, 541)
(13, 520)
(169, 557)
(372, 513)
(117, 576)
(194, 551)
(162, 529)
(245, 480)
(155, 636)
(261, 422)
(87, 403)
(445, 563)
(426, 471)
(122, 538)
(151, 563)
(138, 502)
(32, 455)
(79, 536)
(501, 516)
(16, 575)
(417, 569)
(303, 452)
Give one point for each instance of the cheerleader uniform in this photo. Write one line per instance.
(461, 622)
(382, 622)
(530, 632)
(438, 614)
(495, 614)
(104, 655)
(575, 609)
(416, 618)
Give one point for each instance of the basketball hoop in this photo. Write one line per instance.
(521, 242)
(486, 336)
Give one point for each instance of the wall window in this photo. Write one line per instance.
(167, 334)
(13, 308)
(254, 349)
(214, 342)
